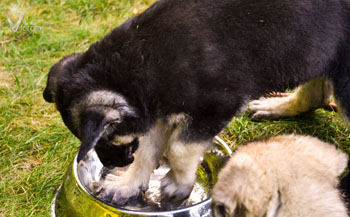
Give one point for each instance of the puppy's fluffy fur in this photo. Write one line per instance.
(285, 176)
(175, 75)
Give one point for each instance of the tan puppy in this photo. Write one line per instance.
(285, 176)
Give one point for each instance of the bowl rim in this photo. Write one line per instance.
(217, 140)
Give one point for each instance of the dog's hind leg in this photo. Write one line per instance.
(119, 188)
(307, 97)
(341, 84)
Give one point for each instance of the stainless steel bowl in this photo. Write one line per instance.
(74, 198)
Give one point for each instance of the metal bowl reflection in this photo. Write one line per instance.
(74, 198)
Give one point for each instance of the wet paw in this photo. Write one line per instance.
(172, 191)
(118, 190)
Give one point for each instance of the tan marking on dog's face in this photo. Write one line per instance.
(120, 140)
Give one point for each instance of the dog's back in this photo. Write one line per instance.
(285, 176)
(226, 50)
(207, 58)
(307, 170)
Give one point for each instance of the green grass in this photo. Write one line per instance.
(35, 146)
(323, 124)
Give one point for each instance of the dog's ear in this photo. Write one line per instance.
(54, 74)
(50, 88)
(93, 126)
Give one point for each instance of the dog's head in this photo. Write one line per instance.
(244, 189)
(91, 109)
(113, 156)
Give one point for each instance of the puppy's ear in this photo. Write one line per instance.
(50, 89)
(93, 126)
(54, 74)
(219, 209)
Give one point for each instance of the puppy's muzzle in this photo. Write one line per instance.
(113, 156)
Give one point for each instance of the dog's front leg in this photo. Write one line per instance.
(119, 188)
(184, 159)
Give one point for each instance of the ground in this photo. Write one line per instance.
(35, 146)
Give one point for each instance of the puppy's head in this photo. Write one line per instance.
(244, 190)
(91, 108)
(112, 155)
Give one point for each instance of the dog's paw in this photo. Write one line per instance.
(118, 190)
(272, 108)
(173, 191)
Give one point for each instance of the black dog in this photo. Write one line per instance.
(175, 75)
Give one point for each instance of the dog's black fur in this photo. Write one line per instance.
(206, 59)
(112, 156)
